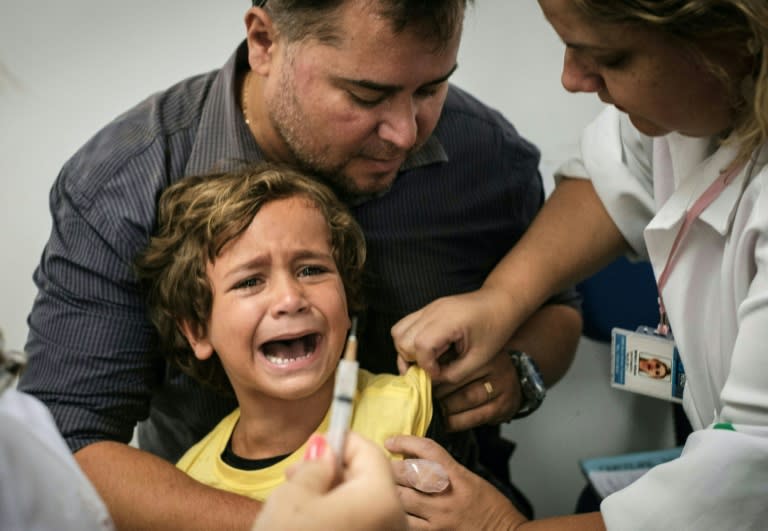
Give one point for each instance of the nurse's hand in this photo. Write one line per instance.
(312, 499)
(466, 330)
(469, 503)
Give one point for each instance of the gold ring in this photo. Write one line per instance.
(488, 389)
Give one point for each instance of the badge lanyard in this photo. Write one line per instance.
(706, 199)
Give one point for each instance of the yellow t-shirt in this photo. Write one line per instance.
(385, 405)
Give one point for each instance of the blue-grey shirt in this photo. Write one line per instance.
(457, 206)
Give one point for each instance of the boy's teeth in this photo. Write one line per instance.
(283, 352)
(279, 360)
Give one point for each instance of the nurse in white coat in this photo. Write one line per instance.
(686, 88)
(41, 486)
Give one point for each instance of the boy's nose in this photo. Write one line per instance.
(289, 297)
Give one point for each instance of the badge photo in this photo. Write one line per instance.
(647, 363)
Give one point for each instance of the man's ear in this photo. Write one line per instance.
(262, 37)
(197, 339)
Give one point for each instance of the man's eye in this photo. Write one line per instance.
(426, 92)
(367, 100)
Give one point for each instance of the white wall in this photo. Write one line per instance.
(70, 67)
(67, 68)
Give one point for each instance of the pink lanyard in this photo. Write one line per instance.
(706, 199)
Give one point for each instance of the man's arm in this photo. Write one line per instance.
(143, 491)
(91, 360)
(549, 336)
(572, 237)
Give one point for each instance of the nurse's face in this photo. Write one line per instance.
(644, 72)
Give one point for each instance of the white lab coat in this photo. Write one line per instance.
(717, 302)
(41, 486)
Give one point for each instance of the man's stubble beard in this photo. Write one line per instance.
(286, 118)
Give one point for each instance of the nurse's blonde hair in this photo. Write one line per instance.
(707, 21)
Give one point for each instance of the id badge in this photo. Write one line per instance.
(647, 363)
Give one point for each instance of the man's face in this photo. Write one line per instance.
(352, 112)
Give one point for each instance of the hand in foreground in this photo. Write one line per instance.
(489, 395)
(475, 325)
(365, 499)
(469, 503)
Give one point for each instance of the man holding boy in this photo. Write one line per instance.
(251, 277)
(355, 92)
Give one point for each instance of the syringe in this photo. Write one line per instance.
(344, 395)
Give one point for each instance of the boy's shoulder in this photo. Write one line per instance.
(389, 404)
(415, 377)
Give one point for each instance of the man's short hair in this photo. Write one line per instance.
(434, 20)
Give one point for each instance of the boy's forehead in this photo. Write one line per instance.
(293, 225)
(290, 214)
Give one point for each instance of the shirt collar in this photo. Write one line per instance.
(430, 153)
(697, 172)
(223, 140)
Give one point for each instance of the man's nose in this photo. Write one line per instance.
(399, 126)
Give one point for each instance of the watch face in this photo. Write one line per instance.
(536, 383)
(531, 382)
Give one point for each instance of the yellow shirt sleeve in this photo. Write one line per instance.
(388, 404)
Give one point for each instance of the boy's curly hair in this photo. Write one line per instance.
(197, 217)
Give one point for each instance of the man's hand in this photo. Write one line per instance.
(490, 395)
(469, 503)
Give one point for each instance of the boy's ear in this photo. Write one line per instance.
(197, 339)
(262, 39)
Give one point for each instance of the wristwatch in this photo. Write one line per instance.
(531, 383)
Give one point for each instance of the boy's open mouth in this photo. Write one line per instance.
(286, 351)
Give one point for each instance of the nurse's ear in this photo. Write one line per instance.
(197, 339)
